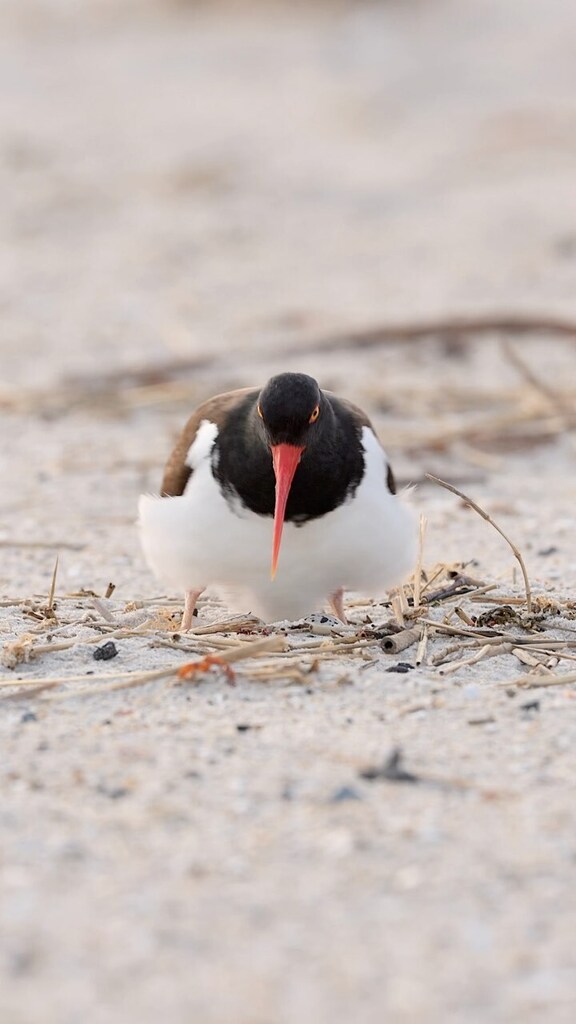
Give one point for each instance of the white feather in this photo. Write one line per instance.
(367, 544)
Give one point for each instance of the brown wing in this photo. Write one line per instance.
(176, 472)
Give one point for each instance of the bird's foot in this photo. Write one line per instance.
(192, 668)
(189, 608)
(337, 605)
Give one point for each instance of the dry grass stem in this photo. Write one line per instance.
(422, 647)
(233, 625)
(52, 592)
(533, 661)
(268, 645)
(457, 328)
(126, 680)
(398, 642)
(397, 609)
(441, 656)
(487, 651)
(419, 561)
(432, 579)
(555, 656)
(403, 601)
(100, 605)
(535, 680)
(520, 429)
(488, 518)
(486, 635)
(554, 399)
(463, 616)
(296, 651)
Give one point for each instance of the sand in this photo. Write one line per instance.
(232, 186)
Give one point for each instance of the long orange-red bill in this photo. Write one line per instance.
(285, 458)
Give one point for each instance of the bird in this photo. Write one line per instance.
(280, 498)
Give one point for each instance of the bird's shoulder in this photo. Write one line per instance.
(349, 409)
(360, 419)
(215, 410)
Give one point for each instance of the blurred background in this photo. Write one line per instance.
(181, 177)
(197, 195)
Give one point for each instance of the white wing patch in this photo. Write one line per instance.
(202, 444)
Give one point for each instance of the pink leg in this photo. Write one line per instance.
(189, 607)
(337, 605)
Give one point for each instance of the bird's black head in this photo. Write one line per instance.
(291, 449)
(289, 406)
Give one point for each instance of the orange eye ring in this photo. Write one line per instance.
(315, 415)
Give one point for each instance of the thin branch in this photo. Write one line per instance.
(488, 518)
(50, 605)
(534, 681)
(555, 401)
(449, 327)
(553, 398)
(418, 570)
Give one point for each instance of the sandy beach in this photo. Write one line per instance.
(195, 197)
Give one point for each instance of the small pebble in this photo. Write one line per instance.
(392, 770)
(345, 793)
(113, 792)
(29, 716)
(106, 652)
(401, 666)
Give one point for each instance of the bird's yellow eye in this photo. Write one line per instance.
(315, 415)
(260, 413)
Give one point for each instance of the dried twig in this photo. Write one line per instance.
(528, 658)
(485, 635)
(554, 399)
(235, 624)
(418, 570)
(100, 605)
(398, 642)
(485, 515)
(127, 680)
(463, 616)
(487, 651)
(533, 681)
(422, 647)
(397, 608)
(444, 327)
(52, 591)
(432, 579)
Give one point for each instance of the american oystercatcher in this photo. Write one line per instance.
(285, 463)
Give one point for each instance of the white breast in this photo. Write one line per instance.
(368, 544)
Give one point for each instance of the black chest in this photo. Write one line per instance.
(328, 474)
